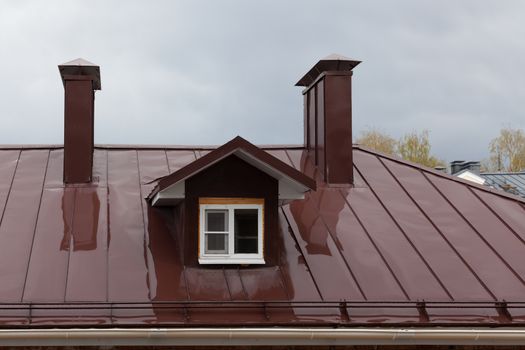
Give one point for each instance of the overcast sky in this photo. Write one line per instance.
(202, 72)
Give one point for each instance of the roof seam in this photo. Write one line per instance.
(291, 231)
(498, 216)
(343, 257)
(70, 247)
(141, 199)
(242, 283)
(10, 187)
(406, 236)
(365, 230)
(36, 224)
(290, 159)
(167, 161)
(108, 230)
(227, 284)
(441, 174)
(476, 231)
(440, 233)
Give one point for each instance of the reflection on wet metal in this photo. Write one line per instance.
(85, 219)
(341, 257)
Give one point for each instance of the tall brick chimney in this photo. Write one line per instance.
(81, 78)
(328, 117)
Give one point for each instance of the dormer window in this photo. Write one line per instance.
(231, 230)
(230, 199)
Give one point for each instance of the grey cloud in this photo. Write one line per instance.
(201, 72)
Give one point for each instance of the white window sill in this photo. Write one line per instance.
(232, 260)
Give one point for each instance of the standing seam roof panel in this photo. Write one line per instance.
(16, 235)
(455, 273)
(321, 252)
(511, 212)
(399, 253)
(128, 272)
(368, 265)
(496, 235)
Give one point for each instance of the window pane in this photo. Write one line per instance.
(216, 243)
(217, 220)
(246, 231)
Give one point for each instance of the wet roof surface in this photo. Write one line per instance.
(97, 255)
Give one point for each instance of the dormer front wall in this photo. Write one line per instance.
(236, 179)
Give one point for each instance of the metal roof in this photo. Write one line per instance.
(404, 245)
(507, 181)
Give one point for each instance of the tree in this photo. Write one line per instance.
(507, 151)
(378, 141)
(415, 147)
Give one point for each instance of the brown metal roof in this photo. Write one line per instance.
(404, 245)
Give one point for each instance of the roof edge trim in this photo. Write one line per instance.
(261, 336)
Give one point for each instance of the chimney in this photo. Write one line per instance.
(328, 117)
(456, 166)
(80, 78)
(459, 165)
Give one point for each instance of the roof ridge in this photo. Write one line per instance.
(439, 173)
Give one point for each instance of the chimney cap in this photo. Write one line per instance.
(81, 66)
(333, 62)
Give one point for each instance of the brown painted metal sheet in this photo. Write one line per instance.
(88, 257)
(458, 270)
(296, 274)
(48, 265)
(477, 255)
(505, 244)
(400, 234)
(334, 279)
(357, 248)
(439, 257)
(18, 222)
(127, 262)
(407, 264)
(8, 165)
(178, 159)
(510, 212)
(501, 264)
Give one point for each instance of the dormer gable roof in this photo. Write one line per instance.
(292, 183)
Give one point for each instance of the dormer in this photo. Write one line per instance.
(230, 199)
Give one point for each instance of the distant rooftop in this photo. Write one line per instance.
(508, 181)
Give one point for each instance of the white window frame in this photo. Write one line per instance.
(231, 257)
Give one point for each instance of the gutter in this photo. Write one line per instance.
(261, 336)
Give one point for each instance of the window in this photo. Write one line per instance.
(231, 230)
